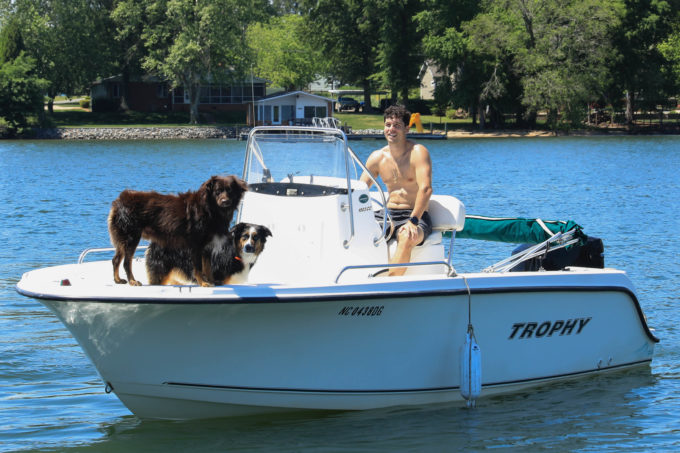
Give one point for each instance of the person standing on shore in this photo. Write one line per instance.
(406, 169)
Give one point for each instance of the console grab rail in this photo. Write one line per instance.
(451, 271)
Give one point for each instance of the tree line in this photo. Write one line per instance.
(496, 58)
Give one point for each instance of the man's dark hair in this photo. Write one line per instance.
(398, 111)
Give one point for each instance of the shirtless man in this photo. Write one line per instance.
(406, 169)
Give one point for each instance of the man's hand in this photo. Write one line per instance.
(409, 232)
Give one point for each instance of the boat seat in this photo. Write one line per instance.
(447, 214)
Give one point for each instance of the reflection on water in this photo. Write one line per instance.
(568, 414)
(54, 199)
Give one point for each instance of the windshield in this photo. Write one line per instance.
(298, 155)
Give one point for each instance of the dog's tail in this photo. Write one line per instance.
(119, 216)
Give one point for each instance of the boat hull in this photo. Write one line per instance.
(208, 352)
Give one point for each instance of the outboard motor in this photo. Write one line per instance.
(589, 254)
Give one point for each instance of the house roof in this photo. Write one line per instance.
(293, 93)
(149, 78)
(434, 68)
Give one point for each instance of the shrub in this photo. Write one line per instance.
(104, 105)
(85, 102)
(21, 93)
(420, 106)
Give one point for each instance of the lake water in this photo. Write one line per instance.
(54, 200)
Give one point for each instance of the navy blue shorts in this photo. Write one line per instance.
(400, 217)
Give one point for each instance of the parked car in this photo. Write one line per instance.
(346, 103)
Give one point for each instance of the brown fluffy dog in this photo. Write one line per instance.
(189, 220)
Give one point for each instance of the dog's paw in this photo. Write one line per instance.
(135, 283)
(121, 281)
(206, 284)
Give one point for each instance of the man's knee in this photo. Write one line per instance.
(404, 240)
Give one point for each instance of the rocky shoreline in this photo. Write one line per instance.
(234, 132)
(139, 133)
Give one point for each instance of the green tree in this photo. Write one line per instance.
(11, 41)
(670, 50)
(399, 55)
(128, 17)
(558, 52)
(194, 42)
(282, 54)
(642, 72)
(447, 46)
(67, 39)
(346, 33)
(21, 92)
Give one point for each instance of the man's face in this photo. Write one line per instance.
(395, 129)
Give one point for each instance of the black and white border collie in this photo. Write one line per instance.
(229, 256)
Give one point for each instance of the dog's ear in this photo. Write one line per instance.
(237, 229)
(210, 184)
(264, 231)
(240, 184)
(206, 188)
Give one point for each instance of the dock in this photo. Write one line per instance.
(414, 136)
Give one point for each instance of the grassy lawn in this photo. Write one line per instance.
(71, 115)
(375, 121)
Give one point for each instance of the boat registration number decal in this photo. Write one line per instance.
(375, 310)
(521, 330)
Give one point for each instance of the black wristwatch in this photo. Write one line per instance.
(414, 220)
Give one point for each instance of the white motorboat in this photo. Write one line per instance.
(319, 326)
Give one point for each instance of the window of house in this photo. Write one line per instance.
(287, 113)
(225, 97)
(312, 111)
(162, 90)
(219, 94)
(205, 95)
(215, 94)
(115, 90)
(178, 96)
(236, 94)
(276, 114)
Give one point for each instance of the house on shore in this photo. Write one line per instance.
(152, 94)
(430, 75)
(293, 107)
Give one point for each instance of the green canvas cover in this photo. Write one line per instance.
(513, 230)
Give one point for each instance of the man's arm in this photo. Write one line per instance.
(423, 169)
(373, 166)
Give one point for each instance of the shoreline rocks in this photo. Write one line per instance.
(235, 133)
(138, 133)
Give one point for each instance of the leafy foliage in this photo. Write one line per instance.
(21, 92)
(193, 42)
(496, 57)
(345, 33)
(283, 55)
(399, 57)
(67, 40)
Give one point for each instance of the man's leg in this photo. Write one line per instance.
(405, 246)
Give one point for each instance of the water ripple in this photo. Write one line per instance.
(54, 200)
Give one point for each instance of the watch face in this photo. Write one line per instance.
(414, 220)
